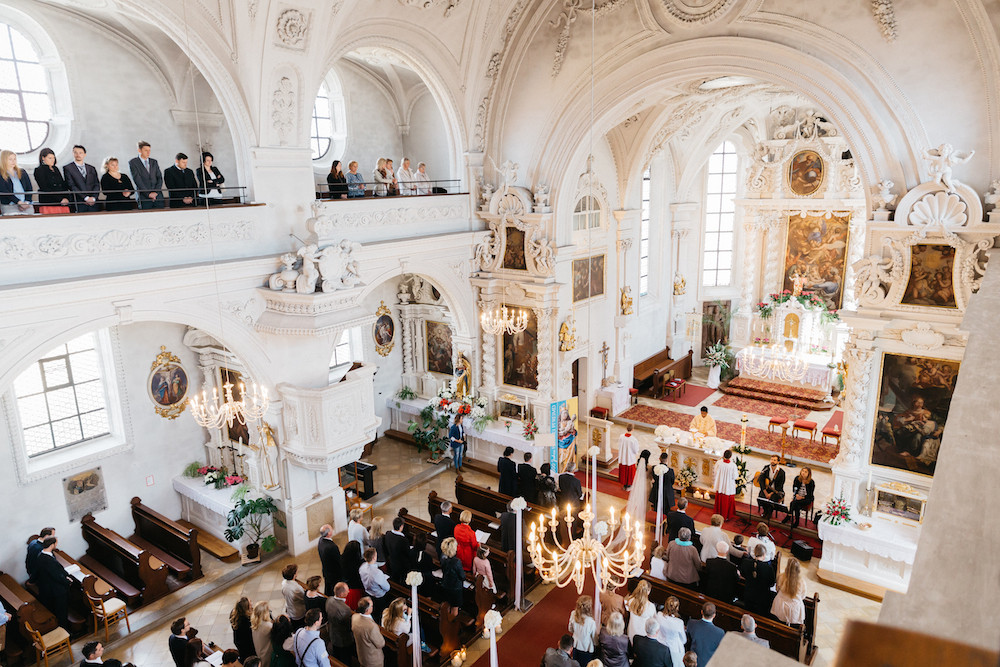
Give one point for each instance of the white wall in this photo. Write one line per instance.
(428, 140)
(372, 129)
(390, 368)
(162, 448)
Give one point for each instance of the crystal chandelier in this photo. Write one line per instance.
(596, 552)
(775, 364)
(503, 321)
(214, 413)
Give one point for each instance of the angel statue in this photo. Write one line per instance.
(883, 196)
(308, 274)
(941, 160)
(993, 196)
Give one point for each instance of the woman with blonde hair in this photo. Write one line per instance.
(613, 642)
(452, 574)
(239, 619)
(381, 178)
(355, 181)
(640, 609)
(788, 606)
(261, 624)
(117, 187)
(396, 620)
(672, 633)
(356, 531)
(15, 186)
(711, 536)
(583, 627)
(376, 538)
(466, 539)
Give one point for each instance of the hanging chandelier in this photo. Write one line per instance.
(215, 412)
(597, 552)
(501, 320)
(774, 364)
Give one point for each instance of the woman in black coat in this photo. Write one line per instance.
(337, 181)
(239, 619)
(452, 574)
(52, 188)
(117, 188)
(209, 176)
(803, 494)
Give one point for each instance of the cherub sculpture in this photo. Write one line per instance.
(941, 160)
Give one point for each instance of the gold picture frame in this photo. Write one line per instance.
(384, 330)
(806, 173)
(808, 240)
(930, 280)
(168, 384)
(438, 347)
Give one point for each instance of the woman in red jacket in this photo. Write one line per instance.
(466, 538)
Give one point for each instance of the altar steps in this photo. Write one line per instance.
(770, 392)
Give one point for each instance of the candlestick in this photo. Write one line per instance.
(869, 480)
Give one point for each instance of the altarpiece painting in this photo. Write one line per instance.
(588, 277)
(816, 249)
(520, 355)
(932, 272)
(439, 348)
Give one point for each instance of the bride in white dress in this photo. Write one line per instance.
(637, 497)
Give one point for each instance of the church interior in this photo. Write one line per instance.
(741, 245)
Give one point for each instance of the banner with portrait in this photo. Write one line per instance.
(563, 422)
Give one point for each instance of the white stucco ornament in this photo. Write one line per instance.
(940, 208)
(883, 197)
(291, 28)
(992, 196)
(941, 160)
(333, 265)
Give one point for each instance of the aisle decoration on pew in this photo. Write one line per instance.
(491, 625)
(413, 580)
(518, 505)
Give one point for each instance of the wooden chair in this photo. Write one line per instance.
(806, 426)
(109, 612)
(776, 422)
(832, 434)
(51, 643)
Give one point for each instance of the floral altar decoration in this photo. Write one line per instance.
(808, 300)
(213, 475)
(474, 408)
(530, 428)
(837, 511)
(687, 477)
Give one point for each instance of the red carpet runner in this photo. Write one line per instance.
(693, 395)
(799, 448)
(756, 407)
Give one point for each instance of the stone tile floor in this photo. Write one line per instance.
(398, 462)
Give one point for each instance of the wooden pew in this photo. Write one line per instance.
(169, 541)
(213, 545)
(654, 367)
(121, 563)
(23, 608)
(442, 629)
(396, 652)
(796, 643)
(490, 502)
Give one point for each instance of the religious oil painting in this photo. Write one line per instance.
(816, 250)
(167, 384)
(85, 494)
(513, 255)
(932, 272)
(520, 356)
(384, 330)
(439, 348)
(805, 173)
(563, 422)
(237, 432)
(588, 277)
(913, 404)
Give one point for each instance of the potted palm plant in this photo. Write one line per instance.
(430, 433)
(249, 518)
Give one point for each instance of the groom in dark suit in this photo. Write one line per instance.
(147, 178)
(82, 179)
(668, 486)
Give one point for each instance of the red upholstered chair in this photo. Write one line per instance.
(804, 425)
(775, 422)
(633, 395)
(599, 412)
(832, 434)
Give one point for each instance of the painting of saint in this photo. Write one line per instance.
(513, 256)
(914, 400)
(816, 250)
(236, 432)
(168, 385)
(588, 277)
(438, 347)
(385, 329)
(520, 356)
(563, 421)
(805, 173)
(931, 281)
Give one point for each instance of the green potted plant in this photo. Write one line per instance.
(427, 433)
(717, 358)
(249, 517)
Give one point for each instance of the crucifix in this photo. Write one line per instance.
(604, 360)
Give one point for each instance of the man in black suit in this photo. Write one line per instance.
(92, 655)
(444, 525)
(772, 484)
(570, 489)
(329, 558)
(35, 548)
(759, 576)
(677, 520)
(180, 182)
(526, 475)
(649, 652)
(340, 638)
(52, 581)
(721, 575)
(668, 485)
(705, 634)
(147, 178)
(397, 551)
(508, 529)
(81, 179)
(508, 473)
(178, 641)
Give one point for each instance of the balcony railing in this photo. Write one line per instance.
(374, 190)
(232, 196)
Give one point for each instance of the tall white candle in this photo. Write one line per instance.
(869, 480)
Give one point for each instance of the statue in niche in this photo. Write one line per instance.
(941, 160)
(463, 376)
(567, 337)
(626, 301)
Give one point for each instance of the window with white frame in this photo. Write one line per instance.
(25, 106)
(61, 398)
(720, 191)
(644, 237)
(328, 129)
(587, 214)
(342, 352)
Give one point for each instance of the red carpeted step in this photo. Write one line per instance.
(777, 389)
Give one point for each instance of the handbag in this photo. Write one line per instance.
(53, 210)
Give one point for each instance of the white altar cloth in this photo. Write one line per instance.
(203, 505)
(818, 374)
(614, 397)
(873, 560)
(885, 539)
(494, 434)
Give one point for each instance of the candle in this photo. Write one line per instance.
(569, 512)
(869, 480)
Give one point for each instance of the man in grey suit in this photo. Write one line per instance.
(147, 178)
(750, 631)
(340, 640)
(649, 652)
(705, 635)
(562, 656)
(81, 179)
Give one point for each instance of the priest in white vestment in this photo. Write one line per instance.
(704, 424)
(725, 486)
(628, 456)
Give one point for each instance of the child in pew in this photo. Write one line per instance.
(481, 565)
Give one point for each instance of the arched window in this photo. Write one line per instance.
(587, 214)
(328, 134)
(720, 191)
(25, 106)
(61, 397)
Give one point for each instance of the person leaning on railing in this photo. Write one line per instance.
(355, 181)
(52, 189)
(117, 187)
(337, 181)
(15, 187)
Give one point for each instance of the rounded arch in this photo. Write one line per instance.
(422, 51)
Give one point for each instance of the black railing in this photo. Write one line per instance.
(234, 195)
(375, 190)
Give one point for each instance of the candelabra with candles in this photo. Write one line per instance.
(774, 363)
(593, 552)
(214, 413)
(501, 320)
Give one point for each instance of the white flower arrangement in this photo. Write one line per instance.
(594, 451)
(414, 579)
(659, 469)
(492, 620)
(600, 529)
(518, 504)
